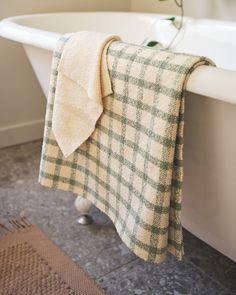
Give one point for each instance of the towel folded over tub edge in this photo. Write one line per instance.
(131, 167)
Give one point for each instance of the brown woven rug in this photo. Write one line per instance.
(31, 264)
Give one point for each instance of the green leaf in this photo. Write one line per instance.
(169, 18)
(153, 43)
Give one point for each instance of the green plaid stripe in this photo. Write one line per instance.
(131, 167)
(110, 139)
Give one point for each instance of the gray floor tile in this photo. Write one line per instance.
(213, 263)
(168, 278)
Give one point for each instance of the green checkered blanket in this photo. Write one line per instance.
(131, 167)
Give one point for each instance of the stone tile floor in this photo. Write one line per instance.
(98, 248)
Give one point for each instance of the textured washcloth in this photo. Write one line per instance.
(83, 80)
(131, 167)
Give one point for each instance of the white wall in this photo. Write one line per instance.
(224, 9)
(221, 9)
(22, 103)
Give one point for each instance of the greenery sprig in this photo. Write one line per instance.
(180, 4)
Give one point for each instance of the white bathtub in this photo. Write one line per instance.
(209, 203)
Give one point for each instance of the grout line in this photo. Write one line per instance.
(116, 268)
(205, 274)
(208, 276)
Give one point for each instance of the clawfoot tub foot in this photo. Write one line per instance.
(83, 206)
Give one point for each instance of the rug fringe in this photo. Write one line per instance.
(14, 225)
(4, 227)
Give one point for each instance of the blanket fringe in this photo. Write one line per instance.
(13, 225)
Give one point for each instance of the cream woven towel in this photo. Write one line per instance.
(131, 167)
(83, 80)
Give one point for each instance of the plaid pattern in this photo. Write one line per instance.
(131, 167)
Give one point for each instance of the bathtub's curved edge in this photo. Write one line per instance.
(11, 29)
(26, 35)
(207, 81)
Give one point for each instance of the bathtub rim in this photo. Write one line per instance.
(10, 29)
(26, 35)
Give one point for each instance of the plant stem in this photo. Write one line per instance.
(181, 6)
